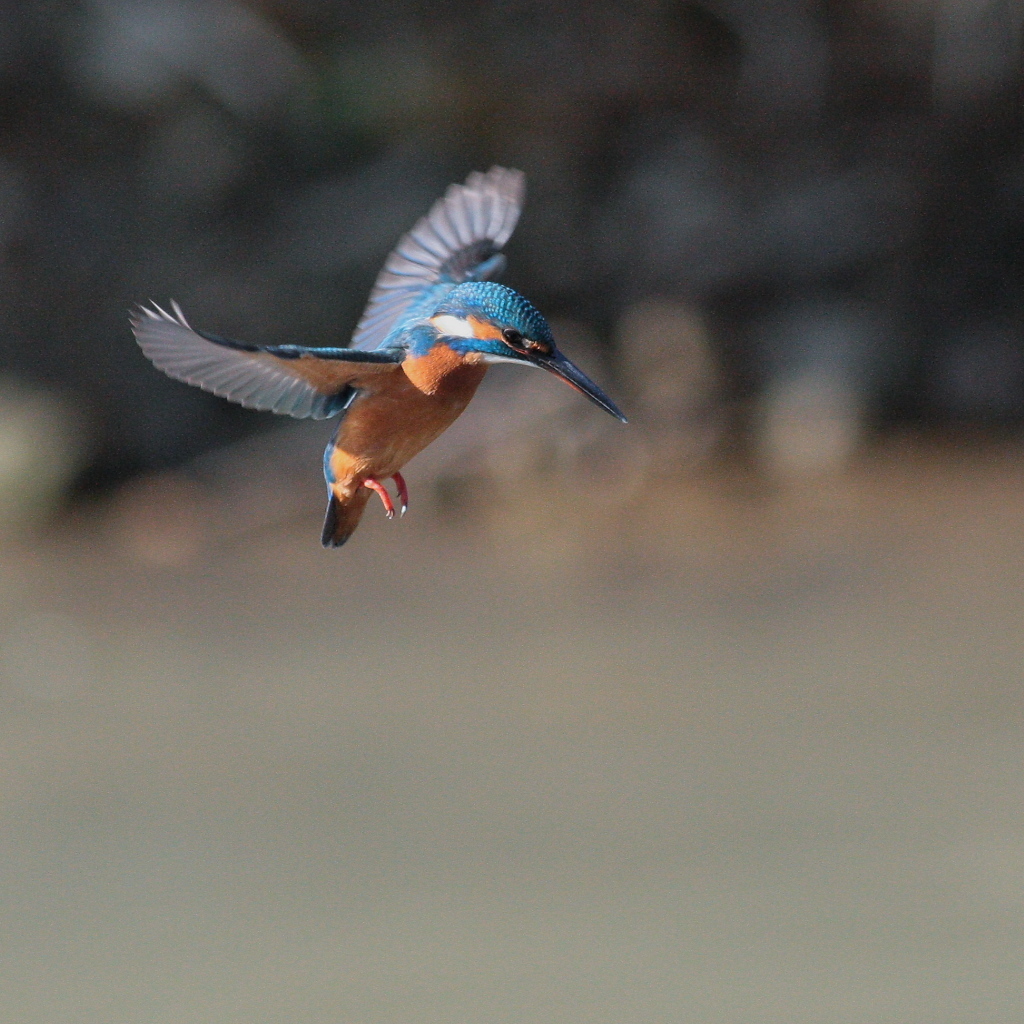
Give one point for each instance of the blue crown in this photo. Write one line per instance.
(498, 304)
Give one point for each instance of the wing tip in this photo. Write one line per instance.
(509, 180)
(485, 207)
(139, 314)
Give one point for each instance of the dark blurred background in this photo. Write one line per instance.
(764, 215)
(716, 718)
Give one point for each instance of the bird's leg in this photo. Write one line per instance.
(376, 485)
(403, 491)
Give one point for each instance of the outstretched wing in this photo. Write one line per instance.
(459, 240)
(289, 379)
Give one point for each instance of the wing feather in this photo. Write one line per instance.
(292, 380)
(457, 241)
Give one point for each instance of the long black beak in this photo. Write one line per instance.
(557, 364)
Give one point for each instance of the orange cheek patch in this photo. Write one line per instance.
(484, 330)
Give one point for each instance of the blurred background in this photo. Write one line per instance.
(714, 718)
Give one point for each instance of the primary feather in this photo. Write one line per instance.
(313, 383)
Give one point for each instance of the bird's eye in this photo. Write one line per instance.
(513, 338)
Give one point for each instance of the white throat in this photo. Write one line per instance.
(490, 359)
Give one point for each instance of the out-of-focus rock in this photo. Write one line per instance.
(673, 381)
(43, 445)
(821, 359)
(808, 425)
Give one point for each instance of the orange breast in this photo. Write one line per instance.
(385, 428)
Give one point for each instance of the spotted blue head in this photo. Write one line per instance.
(503, 327)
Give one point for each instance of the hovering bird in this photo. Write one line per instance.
(434, 323)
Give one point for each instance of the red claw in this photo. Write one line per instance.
(403, 491)
(376, 485)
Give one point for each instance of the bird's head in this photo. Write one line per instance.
(498, 325)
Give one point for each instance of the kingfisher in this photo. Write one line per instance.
(435, 321)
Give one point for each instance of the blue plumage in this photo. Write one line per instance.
(498, 304)
(433, 323)
(459, 240)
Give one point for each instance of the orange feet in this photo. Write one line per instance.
(376, 485)
(403, 492)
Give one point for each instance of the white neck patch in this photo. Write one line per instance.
(453, 327)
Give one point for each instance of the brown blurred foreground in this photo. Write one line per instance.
(684, 751)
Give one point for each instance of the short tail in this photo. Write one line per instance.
(343, 517)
